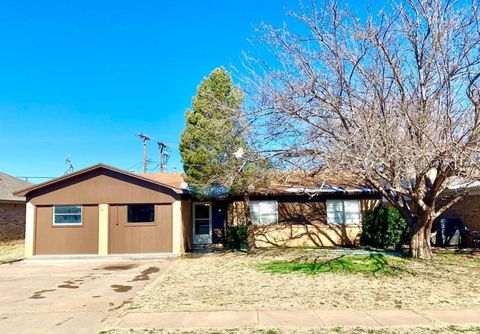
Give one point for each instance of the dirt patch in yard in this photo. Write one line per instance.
(11, 251)
(234, 281)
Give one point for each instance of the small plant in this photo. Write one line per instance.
(384, 227)
(236, 237)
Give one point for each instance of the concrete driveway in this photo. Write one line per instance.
(73, 296)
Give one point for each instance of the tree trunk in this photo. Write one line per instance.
(420, 247)
(249, 223)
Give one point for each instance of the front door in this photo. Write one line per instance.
(202, 223)
(219, 218)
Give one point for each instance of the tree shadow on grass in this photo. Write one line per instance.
(376, 264)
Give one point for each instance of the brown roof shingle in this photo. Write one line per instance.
(170, 179)
(319, 182)
(8, 185)
(286, 182)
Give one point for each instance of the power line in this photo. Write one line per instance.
(26, 178)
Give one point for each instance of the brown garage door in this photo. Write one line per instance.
(66, 239)
(134, 229)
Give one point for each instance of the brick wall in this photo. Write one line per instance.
(467, 211)
(301, 224)
(12, 221)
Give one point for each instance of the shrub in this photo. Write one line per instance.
(236, 237)
(384, 227)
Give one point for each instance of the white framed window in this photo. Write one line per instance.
(346, 212)
(264, 212)
(67, 215)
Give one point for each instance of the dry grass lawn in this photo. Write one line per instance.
(235, 281)
(11, 251)
(337, 330)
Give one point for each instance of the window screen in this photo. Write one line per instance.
(67, 215)
(264, 212)
(141, 213)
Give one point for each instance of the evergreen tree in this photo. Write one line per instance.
(214, 132)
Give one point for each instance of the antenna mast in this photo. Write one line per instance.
(68, 162)
(145, 138)
(163, 156)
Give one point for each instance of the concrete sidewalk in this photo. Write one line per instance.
(299, 319)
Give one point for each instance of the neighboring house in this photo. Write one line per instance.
(466, 212)
(104, 210)
(12, 208)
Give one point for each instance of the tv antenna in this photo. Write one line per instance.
(68, 162)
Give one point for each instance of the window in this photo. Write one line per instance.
(202, 218)
(343, 212)
(141, 213)
(264, 212)
(67, 215)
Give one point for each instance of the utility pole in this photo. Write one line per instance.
(145, 138)
(163, 156)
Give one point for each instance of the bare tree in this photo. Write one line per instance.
(393, 98)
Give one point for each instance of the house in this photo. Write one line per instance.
(104, 210)
(463, 215)
(298, 210)
(12, 208)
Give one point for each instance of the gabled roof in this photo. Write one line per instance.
(10, 184)
(25, 191)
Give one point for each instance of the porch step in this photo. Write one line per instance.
(210, 248)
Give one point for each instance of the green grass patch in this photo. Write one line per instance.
(373, 263)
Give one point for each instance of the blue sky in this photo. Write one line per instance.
(83, 77)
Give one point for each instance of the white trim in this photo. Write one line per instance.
(67, 214)
(200, 237)
(29, 230)
(177, 235)
(103, 225)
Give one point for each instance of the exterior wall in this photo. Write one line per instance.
(128, 238)
(467, 211)
(50, 239)
(302, 223)
(235, 213)
(186, 206)
(12, 221)
(102, 186)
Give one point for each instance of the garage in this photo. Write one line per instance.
(103, 210)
